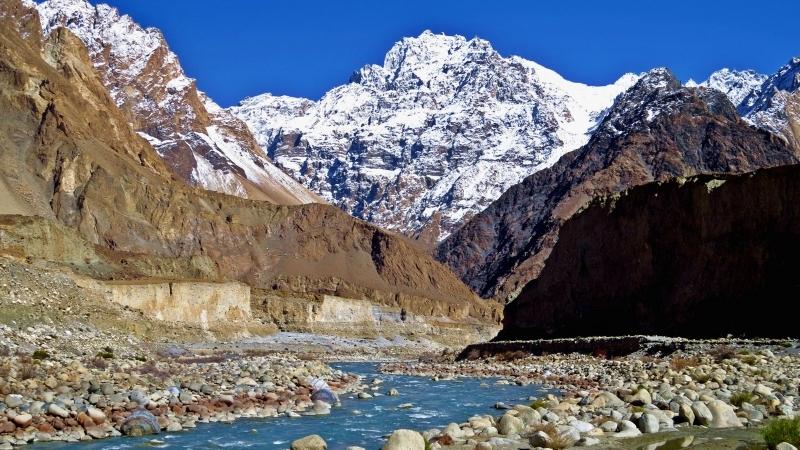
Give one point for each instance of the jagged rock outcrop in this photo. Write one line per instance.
(655, 131)
(71, 164)
(431, 137)
(698, 257)
(202, 143)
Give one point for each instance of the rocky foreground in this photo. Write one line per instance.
(598, 401)
(47, 398)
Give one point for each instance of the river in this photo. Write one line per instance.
(357, 422)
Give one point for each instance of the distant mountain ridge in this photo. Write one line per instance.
(431, 137)
(657, 130)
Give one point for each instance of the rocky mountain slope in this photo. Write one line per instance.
(698, 257)
(431, 137)
(81, 188)
(201, 142)
(775, 104)
(655, 131)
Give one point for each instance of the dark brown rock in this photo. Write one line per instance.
(702, 257)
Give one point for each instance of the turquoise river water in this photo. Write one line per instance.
(363, 423)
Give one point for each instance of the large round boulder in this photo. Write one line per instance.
(405, 440)
(312, 442)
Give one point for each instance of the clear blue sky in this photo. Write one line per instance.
(237, 48)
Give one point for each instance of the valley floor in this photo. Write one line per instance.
(74, 368)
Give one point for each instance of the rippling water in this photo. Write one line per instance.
(356, 422)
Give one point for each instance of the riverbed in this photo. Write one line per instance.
(356, 422)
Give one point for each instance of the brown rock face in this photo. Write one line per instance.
(701, 257)
(201, 143)
(70, 157)
(656, 131)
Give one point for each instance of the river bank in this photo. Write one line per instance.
(608, 401)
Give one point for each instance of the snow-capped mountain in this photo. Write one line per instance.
(775, 104)
(736, 84)
(428, 139)
(201, 142)
(768, 102)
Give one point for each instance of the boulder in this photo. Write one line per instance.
(581, 426)
(785, 446)
(405, 440)
(453, 431)
(641, 397)
(607, 399)
(568, 435)
(510, 425)
(57, 410)
(540, 439)
(530, 416)
(685, 413)
(96, 415)
(609, 426)
(701, 413)
(141, 422)
(14, 400)
(23, 420)
(322, 392)
(312, 442)
(393, 392)
(648, 423)
(722, 415)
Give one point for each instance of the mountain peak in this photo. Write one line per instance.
(736, 84)
(658, 78)
(432, 136)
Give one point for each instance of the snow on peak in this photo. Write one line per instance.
(772, 105)
(202, 142)
(436, 133)
(736, 84)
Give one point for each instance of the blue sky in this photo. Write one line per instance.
(237, 48)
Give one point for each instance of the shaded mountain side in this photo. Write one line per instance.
(655, 131)
(69, 157)
(698, 257)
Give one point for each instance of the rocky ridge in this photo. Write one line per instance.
(655, 131)
(202, 143)
(428, 139)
